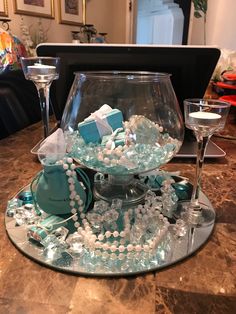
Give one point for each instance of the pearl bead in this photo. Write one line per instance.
(75, 218)
(82, 216)
(77, 197)
(100, 237)
(97, 245)
(146, 248)
(80, 202)
(71, 187)
(68, 173)
(100, 156)
(72, 203)
(106, 160)
(121, 256)
(118, 152)
(138, 248)
(77, 224)
(115, 234)
(65, 166)
(71, 180)
(113, 248)
(87, 228)
(72, 167)
(107, 234)
(72, 195)
(105, 246)
(69, 160)
(93, 236)
(122, 234)
(121, 248)
(108, 152)
(143, 210)
(113, 256)
(73, 210)
(130, 247)
(140, 216)
(165, 228)
(91, 242)
(114, 161)
(83, 232)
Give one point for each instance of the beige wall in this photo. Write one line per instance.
(220, 26)
(107, 16)
(57, 32)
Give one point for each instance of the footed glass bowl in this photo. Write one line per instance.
(121, 124)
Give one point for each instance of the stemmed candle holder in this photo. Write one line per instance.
(42, 71)
(204, 117)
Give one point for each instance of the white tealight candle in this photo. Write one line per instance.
(41, 69)
(204, 118)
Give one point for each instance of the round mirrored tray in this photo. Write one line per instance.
(170, 251)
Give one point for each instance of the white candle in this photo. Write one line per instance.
(41, 69)
(204, 118)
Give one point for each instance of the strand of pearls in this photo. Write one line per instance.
(119, 248)
(75, 200)
(112, 244)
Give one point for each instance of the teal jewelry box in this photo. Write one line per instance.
(92, 131)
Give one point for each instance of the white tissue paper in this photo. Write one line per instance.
(53, 148)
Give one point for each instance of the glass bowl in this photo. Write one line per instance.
(122, 124)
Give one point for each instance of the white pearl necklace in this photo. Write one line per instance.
(106, 249)
(101, 244)
(75, 199)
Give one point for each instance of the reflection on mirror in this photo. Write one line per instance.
(159, 22)
(141, 21)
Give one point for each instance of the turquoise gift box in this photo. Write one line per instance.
(89, 130)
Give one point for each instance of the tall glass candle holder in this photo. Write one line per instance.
(42, 71)
(204, 117)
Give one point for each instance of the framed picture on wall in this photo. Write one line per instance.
(43, 8)
(72, 12)
(3, 8)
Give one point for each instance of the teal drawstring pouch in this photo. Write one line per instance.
(60, 188)
(52, 191)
